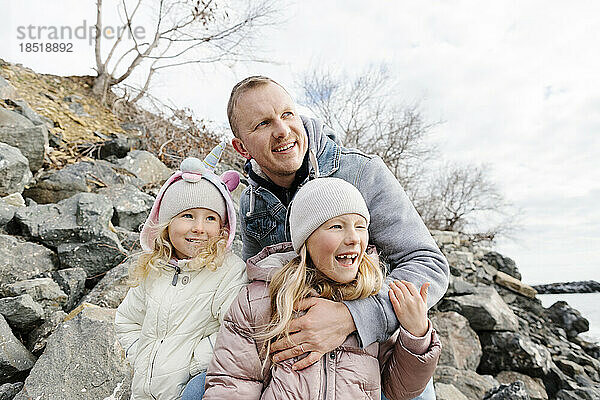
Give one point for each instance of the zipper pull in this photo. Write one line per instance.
(175, 276)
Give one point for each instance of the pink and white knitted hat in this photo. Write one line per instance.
(195, 185)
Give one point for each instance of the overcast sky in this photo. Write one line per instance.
(517, 86)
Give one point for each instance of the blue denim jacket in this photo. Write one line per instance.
(396, 228)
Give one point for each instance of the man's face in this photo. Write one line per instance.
(271, 132)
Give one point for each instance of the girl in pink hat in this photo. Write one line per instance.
(183, 283)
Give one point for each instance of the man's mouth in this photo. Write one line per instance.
(347, 260)
(284, 147)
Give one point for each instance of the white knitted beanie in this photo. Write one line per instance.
(183, 195)
(320, 200)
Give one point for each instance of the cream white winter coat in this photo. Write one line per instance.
(168, 324)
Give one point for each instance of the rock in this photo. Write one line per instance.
(11, 119)
(581, 393)
(485, 310)
(460, 345)
(458, 286)
(514, 284)
(7, 91)
(37, 338)
(503, 264)
(7, 212)
(446, 237)
(9, 390)
(21, 107)
(82, 360)
(513, 391)
(570, 368)
(14, 170)
(130, 240)
(131, 206)
(448, 392)
(145, 166)
(511, 351)
(562, 314)
(14, 357)
(79, 228)
(533, 386)
(72, 282)
(43, 291)
(469, 383)
(23, 260)
(460, 261)
(15, 200)
(118, 146)
(31, 141)
(112, 288)
(569, 287)
(81, 177)
(21, 312)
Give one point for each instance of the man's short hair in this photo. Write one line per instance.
(240, 88)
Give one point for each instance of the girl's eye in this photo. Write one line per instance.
(287, 114)
(361, 227)
(187, 215)
(211, 218)
(335, 226)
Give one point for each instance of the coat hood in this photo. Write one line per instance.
(265, 264)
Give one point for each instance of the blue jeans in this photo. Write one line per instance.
(428, 393)
(194, 390)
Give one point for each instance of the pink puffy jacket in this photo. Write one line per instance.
(348, 372)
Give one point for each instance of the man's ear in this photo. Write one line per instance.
(238, 145)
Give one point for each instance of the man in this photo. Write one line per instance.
(283, 150)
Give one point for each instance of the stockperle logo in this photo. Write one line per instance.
(60, 38)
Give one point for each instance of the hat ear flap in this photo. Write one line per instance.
(231, 180)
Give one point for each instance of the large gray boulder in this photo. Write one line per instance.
(112, 288)
(14, 170)
(132, 206)
(37, 338)
(485, 310)
(460, 345)
(21, 260)
(43, 291)
(82, 360)
(22, 312)
(31, 141)
(14, 357)
(146, 166)
(9, 390)
(501, 263)
(512, 351)
(7, 212)
(444, 391)
(12, 119)
(21, 107)
(565, 316)
(81, 177)
(468, 382)
(79, 229)
(7, 91)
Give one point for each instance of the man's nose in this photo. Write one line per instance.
(280, 129)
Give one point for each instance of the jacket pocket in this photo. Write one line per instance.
(259, 225)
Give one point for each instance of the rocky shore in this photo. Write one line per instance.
(66, 237)
(569, 287)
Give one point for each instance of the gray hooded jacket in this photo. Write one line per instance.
(396, 229)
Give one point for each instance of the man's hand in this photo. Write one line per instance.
(323, 328)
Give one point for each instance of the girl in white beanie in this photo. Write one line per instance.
(328, 221)
(183, 282)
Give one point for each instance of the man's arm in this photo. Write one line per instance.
(403, 240)
(250, 246)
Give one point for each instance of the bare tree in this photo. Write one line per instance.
(463, 197)
(366, 112)
(183, 32)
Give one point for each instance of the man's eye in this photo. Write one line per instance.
(261, 124)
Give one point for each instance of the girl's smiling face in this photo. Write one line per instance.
(336, 247)
(190, 230)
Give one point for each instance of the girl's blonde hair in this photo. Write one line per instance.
(298, 278)
(210, 256)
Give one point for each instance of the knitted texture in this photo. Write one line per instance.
(320, 200)
(183, 195)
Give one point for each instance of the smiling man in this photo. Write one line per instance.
(283, 150)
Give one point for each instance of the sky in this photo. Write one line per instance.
(515, 84)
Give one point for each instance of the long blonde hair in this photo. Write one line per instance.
(299, 278)
(210, 256)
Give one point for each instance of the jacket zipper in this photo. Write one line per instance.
(176, 275)
(152, 370)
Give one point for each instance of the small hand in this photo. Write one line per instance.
(324, 327)
(410, 306)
